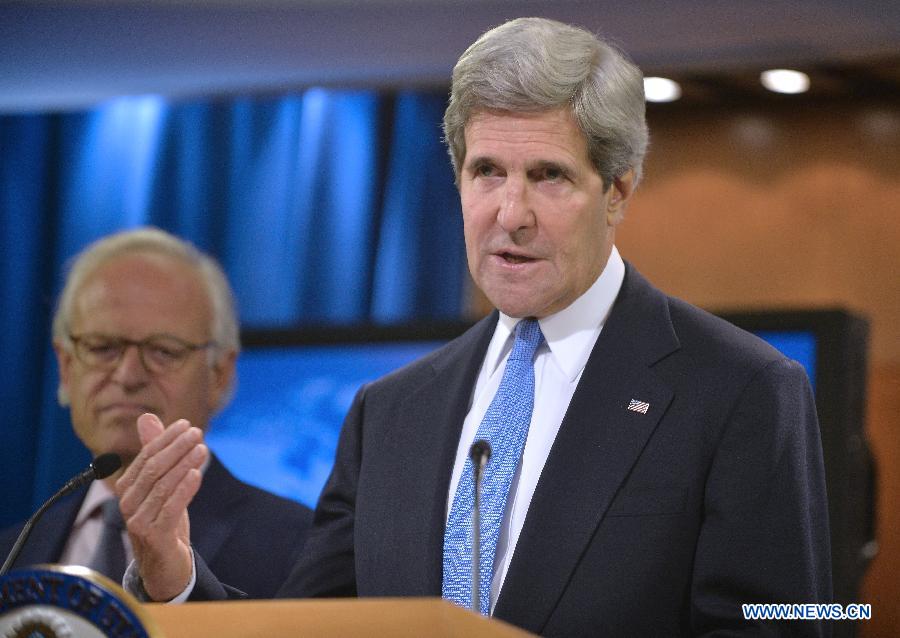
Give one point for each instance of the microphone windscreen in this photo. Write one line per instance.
(106, 464)
(480, 449)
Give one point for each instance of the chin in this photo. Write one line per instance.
(126, 447)
(517, 310)
(519, 299)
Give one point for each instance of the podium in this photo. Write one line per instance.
(326, 618)
(55, 601)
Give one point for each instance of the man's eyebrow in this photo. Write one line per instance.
(479, 160)
(563, 166)
(541, 165)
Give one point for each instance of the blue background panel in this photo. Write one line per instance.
(280, 431)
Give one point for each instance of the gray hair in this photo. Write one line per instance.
(225, 330)
(535, 64)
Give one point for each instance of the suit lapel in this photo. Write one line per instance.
(433, 416)
(598, 443)
(209, 511)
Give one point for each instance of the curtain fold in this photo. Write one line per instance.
(324, 207)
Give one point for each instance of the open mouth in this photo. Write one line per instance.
(515, 259)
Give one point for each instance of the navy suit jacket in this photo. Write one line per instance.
(249, 537)
(656, 524)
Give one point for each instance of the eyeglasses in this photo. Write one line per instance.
(160, 354)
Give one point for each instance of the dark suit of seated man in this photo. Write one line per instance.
(652, 466)
(146, 323)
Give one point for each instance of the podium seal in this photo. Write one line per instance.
(53, 601)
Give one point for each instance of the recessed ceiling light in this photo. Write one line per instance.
(661, 89)
(785, 81)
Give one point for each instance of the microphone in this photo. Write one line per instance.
(480, 453)
(101, 467)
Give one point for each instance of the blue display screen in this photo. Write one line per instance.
(280, 431)
(281, 428)
(799, 345)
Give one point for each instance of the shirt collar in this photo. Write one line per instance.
(98, 493)
(570, 333)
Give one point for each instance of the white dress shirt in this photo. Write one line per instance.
(569, 335)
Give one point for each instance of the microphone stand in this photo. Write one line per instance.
(101, 467)
(26, 531)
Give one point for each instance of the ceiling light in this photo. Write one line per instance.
(661, 90)
(785, 81)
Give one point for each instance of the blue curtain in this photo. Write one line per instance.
(325, 207)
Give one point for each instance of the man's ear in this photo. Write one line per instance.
(223, 376)
(619, 193)
(64, 359)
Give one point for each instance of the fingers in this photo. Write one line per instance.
(167, 498)
(156, 458)
(149, 427)
(169, 511)
(151, 486)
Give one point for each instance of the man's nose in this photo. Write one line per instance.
(130, 372)
(515, 211)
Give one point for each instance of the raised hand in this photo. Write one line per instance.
(154, 493)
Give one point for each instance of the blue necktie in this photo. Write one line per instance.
(505, 427)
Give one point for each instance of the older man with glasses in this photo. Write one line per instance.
(146, 324)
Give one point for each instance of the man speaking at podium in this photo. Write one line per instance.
(653, 467)
(146, 323)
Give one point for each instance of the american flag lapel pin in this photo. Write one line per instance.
(638, 406)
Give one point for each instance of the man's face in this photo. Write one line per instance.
(539, 227)
(134, 297)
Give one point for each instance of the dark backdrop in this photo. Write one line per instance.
(325, 208)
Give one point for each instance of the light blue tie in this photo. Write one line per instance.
(505, 427)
